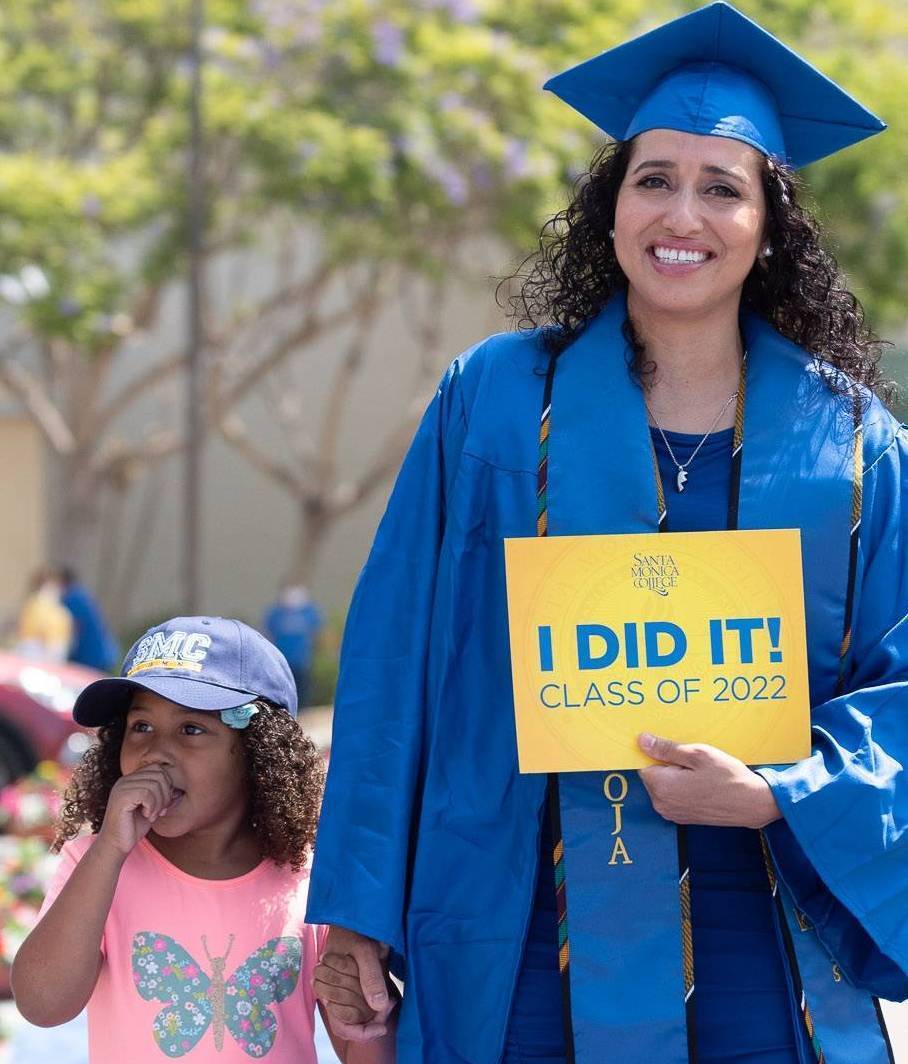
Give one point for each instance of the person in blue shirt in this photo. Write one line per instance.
(293, 624)
(690, 358)
(93, 642)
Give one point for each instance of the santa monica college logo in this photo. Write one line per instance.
(179, 650)
(655, 572)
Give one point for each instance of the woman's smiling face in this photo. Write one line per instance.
(689, 220)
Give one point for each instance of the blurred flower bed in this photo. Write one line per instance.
(28, 809)
(31, 805)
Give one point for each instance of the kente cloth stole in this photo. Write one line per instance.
(622, 881)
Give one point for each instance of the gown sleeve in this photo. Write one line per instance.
(362, 850)
(841, 846)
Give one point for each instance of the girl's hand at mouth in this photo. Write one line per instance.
(136, 801)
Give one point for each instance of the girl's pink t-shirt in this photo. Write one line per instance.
(210, 971)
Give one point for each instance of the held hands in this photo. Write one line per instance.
(352, 984)
(136, 801)
(700, 784)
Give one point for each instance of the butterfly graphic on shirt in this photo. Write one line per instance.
(163, 970)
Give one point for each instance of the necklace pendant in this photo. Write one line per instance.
(682, 477)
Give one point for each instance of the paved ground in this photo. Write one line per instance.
(897, 1021)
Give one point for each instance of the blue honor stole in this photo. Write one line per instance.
(623, 890)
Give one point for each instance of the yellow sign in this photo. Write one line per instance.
(696, 636)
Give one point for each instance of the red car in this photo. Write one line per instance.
(36, 701)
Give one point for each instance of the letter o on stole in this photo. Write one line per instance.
(608, 788)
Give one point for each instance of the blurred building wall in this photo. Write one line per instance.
(249, 526)
(22, 509)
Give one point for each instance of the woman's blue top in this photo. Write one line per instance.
(745, 1009)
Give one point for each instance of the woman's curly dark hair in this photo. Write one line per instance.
(285, 771)
(800, 289)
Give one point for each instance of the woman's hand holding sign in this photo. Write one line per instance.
(700, 784)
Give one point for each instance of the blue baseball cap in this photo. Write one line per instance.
(715, 72)
(206, 663)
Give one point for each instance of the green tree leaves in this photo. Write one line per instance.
(395, 127)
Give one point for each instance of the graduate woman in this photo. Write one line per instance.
(689, 359)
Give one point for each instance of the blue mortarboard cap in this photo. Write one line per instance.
(715, 72)
(206, 663)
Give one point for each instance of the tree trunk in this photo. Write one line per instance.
(78, 514)
(312, 526)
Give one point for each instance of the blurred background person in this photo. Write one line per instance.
(293, 623)
(44, 630)
(93, 642)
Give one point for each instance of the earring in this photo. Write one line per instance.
(767, 251)
(611, 234)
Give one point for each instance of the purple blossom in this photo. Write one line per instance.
(516, 162)
(389, 42)
(91, 206)
(68, 307)
(464, 11)
(403, 143)
(482, 176)
(278, 14)
(271, 57)
(23, 883)
(310, 32)
(450, 101)
(452, 181)
(455, 188)
(298, 17)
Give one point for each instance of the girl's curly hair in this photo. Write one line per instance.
(800, 290)
(285, 771)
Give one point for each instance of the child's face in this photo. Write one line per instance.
(202, 756)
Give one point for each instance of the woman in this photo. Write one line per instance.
(684, 293)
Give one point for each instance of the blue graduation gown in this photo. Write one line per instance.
(429, 835)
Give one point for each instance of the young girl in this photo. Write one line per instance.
(180, 920)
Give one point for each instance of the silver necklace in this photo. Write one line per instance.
(682, 466)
